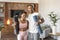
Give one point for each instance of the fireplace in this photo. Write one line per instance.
(15, 12)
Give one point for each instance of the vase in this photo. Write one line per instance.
(54, 29)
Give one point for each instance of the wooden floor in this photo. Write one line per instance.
(13, 37)
(9, 37)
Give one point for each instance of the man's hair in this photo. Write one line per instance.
(31, 6)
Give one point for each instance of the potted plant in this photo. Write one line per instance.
(54, 20)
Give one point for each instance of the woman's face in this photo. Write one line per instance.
(23, 16)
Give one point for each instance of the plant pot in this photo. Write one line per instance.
(54, 30)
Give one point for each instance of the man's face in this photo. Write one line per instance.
(29, 9)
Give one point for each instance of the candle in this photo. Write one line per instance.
(8, 22)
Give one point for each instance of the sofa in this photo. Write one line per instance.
(46, 30)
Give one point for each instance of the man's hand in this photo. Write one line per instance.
(40, 21)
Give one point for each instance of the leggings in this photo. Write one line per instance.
(22, 35)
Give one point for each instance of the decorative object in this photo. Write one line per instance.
(54, 20)
(1, 4)
(1, 10)
(1, 7)
(8, 22)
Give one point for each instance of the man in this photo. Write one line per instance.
(33, 28)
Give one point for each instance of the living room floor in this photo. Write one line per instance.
(13, 37)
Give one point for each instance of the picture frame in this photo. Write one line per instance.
(1, 4)
(1, 10)
(1, 7)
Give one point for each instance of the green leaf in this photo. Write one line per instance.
(53, 18)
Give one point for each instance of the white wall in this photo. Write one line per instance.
(28, 1)
(46, 6)
(57, 9)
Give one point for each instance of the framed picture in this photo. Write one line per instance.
(1, 7)
(1, 4)
(1, 10)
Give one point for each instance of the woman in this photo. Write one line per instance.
(23, 26)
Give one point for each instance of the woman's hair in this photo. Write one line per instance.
(24, 12)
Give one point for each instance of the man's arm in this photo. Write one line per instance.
(40, 20)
